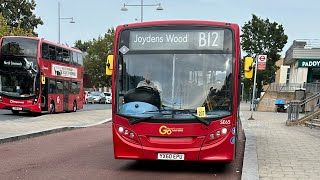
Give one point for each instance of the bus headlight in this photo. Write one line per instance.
(131, 135)
(224, 130)
(0, 98)
(218, 133)
(35, 100)
(120, 129)
(127, 134)
(216, 136)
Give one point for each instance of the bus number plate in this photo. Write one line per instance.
(170, 156)
(17, 108)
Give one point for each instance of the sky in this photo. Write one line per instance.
(93, 18)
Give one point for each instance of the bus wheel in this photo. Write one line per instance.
(52, 108)
(74, 106)
(15, 112)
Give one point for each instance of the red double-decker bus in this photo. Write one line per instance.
(175, 86)
(37, 75)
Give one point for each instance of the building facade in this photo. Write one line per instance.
(303, 57)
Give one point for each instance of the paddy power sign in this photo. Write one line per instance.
(314, 63)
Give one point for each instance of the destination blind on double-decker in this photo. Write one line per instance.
(177, 40)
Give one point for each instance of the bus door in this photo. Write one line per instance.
(66, 90)
(44, 95)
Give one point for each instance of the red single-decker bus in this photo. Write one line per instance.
(175, 86)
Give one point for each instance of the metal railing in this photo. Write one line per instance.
(306, 107)
(285, 87)
(312, 87)
(309, 43)
(291, 87)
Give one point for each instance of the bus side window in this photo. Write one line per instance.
(73, 87)
(80, 59)
(66, 56)
(74, 58)
(45, 51)
(78, 87)
(59, 87)
(66, 87)
(52, 52)
(52, 87)
(59, 54)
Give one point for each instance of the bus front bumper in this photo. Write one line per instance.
(219, 152)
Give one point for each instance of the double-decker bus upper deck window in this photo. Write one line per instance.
(52, 52)
(45, 51)
(74, 57)
(80, 59)
(19, 47)
(59, 54)
(66, 56)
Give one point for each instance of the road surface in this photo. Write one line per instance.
(88, 154)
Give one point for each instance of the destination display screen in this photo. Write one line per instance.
(177, 40)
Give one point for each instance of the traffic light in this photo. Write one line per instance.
(248, 70)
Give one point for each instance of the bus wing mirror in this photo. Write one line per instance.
(109, 65)
(248, 70)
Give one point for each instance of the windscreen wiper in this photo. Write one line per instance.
(203, 121)
(135, 120)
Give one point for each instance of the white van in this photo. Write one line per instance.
(108, 97)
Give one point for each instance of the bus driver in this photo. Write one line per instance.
(149, 82)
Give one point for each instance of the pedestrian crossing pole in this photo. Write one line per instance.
(254, 87)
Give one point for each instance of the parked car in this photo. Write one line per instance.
(98, 97)
(108, 97)
(88, 97)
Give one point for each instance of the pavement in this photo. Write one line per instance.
(276, 151)
(11, 130)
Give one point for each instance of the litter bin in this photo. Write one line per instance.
(300, 94)
(280, 105)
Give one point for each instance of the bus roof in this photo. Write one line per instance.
(42, 40)
(175, 22)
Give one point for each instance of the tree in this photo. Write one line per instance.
(5, 30)
(19, 14)
(260, 36)
(97, 51)
(83, 46)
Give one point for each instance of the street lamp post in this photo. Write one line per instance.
(124, 8)
(59, 19)
(242, 91)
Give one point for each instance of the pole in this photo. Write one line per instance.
(254, 88)
(242, 90)
(141, 10)
(59, 22)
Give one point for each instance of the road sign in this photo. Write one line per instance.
(262, 66)
(262, 58)
(262, 62)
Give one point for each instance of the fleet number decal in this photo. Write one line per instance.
(223, 121)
